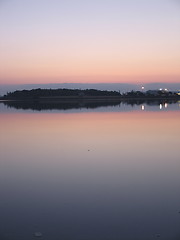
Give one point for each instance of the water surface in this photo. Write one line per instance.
(106, 173)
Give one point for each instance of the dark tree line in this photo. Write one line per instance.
(38, 93)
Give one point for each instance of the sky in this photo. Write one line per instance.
(82, 41)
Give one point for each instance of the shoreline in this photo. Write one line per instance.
(91, 99)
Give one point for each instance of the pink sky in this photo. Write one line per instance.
(102, 41)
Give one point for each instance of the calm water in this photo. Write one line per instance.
(109, 173)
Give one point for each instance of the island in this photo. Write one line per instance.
(62, 98)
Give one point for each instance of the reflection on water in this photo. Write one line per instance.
(85, 104)
(90, 175)
(71, 107)
(142, 107)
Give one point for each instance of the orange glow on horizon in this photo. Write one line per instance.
(8, 80)
(102, 68)
(116, 42)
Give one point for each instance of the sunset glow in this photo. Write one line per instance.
(89, 42)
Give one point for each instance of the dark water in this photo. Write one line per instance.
(101, 173)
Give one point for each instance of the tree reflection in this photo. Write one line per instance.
(37, 105)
